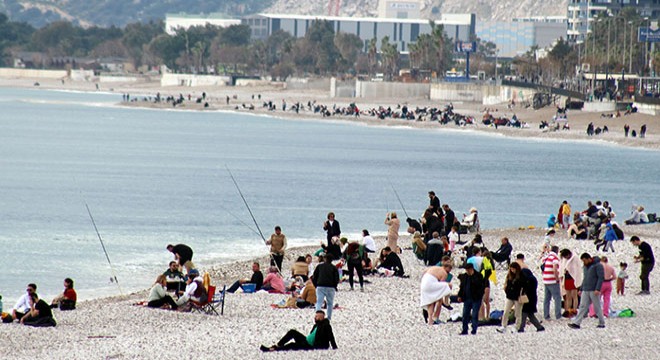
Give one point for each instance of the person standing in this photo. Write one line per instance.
(591, 286)
(626, 129)
(450, 218)
(529, 309)
(331, 226)
(609, 274)
(277, 244)
(183, 254)
(433, 289)
(325, 279)
(434, 203)
(514, 286)
(551, 283)
(471, 293)
(642, 131)
(566, 215)
(647, 260)
(354, 262)
(393, 225)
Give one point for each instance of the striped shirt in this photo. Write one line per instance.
(549, 276)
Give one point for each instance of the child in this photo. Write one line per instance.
(621, 279)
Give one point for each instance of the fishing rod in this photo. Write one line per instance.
(239, 220)
(272, 258)
(400, 202)
(112, 269)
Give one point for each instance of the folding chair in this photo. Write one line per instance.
(503, 265)
(212, 302)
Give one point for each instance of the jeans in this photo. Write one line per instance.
(471, 312)
(588, 298)
(327, 293)
(609, 245)
(299, 341)
(644, 276)
(552, 292)
(232, 289)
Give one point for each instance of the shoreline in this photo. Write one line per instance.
(578, 120)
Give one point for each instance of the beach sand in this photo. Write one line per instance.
(216, 97)
(384, 322)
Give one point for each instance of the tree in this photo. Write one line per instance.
(349, 46)
(390, 56)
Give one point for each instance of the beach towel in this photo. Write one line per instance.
(432, 290)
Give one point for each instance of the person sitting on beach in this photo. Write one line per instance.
(175, 278)
(332, 247)
(158, 297)
(300, 268)
(471, 221)
(577, 230)
(320, 338)
(637, 216)
(476, 243)
(504, 252)
(418, 245)
(66, 300)
(257, 279)
(273, 283)
(430, 223)
(195, 291)
(433, 289)
(435, 250)
(368, 242)
(391, 265)
(40, 314)
(183, 254)
(22, 306)
(307, 297)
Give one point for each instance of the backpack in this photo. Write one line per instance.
(618, 231)
(626, 313)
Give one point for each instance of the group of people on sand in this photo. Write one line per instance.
(563, 275)
(31, 310)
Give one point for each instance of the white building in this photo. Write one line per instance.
(459, 27)
(400, 9)
(185, 21)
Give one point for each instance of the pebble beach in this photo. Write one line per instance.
(384, 322)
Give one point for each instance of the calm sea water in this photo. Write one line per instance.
(153, 177)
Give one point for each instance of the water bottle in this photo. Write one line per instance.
(0, 304)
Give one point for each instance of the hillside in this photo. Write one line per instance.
(106, 13)
(484, 9)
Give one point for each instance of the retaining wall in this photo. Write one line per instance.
(33, 73)
(193, 80)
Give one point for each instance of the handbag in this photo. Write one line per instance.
(523, 299)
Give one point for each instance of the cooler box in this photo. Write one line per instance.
(249, 288)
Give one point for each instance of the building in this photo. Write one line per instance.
(459, 27)
(185, 21)
(518, 36)
(581, 13)
(400, 9)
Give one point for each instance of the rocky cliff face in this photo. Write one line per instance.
(484, 9)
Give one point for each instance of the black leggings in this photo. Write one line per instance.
(355, 265)
(299, 341)
(162, 301)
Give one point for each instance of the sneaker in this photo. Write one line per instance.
(501, 330)
(448, 307)
(437, 322)
(540, 329)
(600, 326)
(266, 349)
(463, 333)
(573, 326)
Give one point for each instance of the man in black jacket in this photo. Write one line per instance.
(257, 279)
(325, 279)
(647, 261)
(471, 293)
(321, 337)
(450, 218)
(183, 254)
(392, 262)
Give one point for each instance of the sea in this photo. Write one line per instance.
(152, 177)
